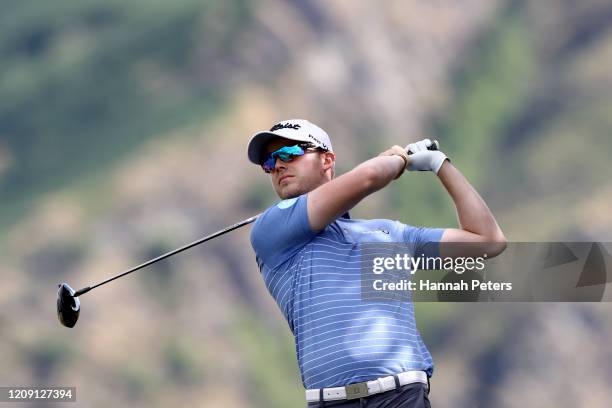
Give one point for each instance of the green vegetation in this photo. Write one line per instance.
(46, 356)
(83, 84)
(160, 281)
(270, 361)
(490, 89)
(181, 362)
(137, 382)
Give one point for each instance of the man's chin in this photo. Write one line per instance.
(287, 193)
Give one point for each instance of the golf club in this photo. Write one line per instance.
(433, 146)
(69, 306)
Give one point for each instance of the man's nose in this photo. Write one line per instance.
(280, 165)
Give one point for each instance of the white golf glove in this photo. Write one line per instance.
(422, 159)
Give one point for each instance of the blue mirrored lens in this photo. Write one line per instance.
(285, 153)
(269, 164)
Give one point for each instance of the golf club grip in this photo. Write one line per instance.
(435, 145)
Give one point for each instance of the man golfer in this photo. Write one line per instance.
(351, 352)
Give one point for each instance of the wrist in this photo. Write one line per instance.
(442, 170)
(402, 163)
(396, 151)
(437, 160)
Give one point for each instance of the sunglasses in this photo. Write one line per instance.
(286, 154)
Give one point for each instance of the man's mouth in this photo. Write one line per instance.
(280, 180)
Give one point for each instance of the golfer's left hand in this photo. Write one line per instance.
(422, 159)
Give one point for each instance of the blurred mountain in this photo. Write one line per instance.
(123, 129)
(83, 85)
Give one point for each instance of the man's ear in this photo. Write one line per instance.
(329, 159)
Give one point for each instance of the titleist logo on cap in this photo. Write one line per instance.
(297, 126)
(285, 126)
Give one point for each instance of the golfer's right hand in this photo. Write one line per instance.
(422, 159)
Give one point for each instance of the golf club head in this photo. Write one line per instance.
(68, 306)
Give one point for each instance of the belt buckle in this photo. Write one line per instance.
(357, 390)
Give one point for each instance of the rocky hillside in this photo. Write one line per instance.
(517, 92)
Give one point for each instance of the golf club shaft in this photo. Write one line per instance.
(166, 255)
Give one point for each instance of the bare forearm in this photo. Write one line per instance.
(386, 169)
(472, 212)
(332, 199)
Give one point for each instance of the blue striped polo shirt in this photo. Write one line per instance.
(315, 278)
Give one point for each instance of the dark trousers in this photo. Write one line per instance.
(415, 395)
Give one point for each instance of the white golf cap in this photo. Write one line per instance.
(299, 130)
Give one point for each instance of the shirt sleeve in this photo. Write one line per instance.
(281, 231)
(426, 241)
